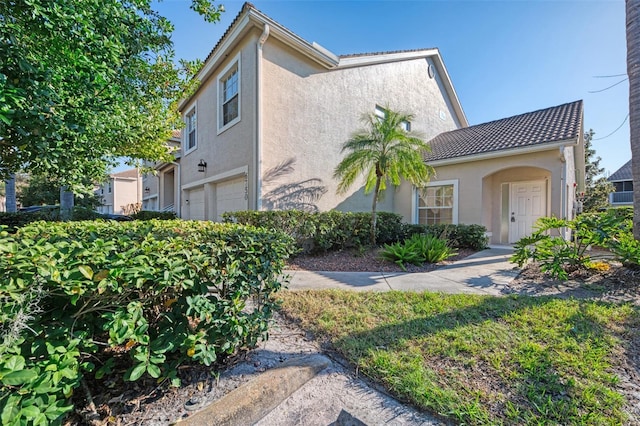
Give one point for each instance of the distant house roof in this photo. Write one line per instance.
(131, 173)
(623, 173)
(533, 129)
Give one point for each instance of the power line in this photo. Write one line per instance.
(609, 76)
(607, 88)
(604, 137)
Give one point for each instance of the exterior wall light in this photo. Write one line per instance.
(147, 190)
(202, 166)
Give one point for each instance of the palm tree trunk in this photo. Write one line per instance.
(374, 218)
(633, 72)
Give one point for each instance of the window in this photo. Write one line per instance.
(191, 130)
(623, 186)
(437, 203)
(229, 89)
(381, 113)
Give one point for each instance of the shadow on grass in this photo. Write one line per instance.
(541, 384)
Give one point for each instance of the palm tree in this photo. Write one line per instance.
(633, 72)
(385, 151)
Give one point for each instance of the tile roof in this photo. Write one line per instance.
(623, 173)
(562, 122)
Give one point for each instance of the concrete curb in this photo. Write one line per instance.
(255, 399)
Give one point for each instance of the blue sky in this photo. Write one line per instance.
(504, 57)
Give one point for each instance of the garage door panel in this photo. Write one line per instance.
(230, 196)
(196, 204)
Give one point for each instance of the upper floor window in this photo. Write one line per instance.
(191, 130)
(381, 113)
(229, 89)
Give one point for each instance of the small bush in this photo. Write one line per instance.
(418, 249)
(401, 254)
(558, 256)
(432, 249)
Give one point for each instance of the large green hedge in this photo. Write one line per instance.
(324, 231)
(74, 295)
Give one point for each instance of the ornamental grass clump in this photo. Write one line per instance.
(418, 249)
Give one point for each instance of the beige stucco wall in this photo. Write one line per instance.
(480, 185)
(230, 150)
(310, 111)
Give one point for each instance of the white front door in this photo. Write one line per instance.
(528, 202)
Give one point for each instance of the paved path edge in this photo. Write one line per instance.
(255, 399)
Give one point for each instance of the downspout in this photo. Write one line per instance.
(178, 195)
(258, 168)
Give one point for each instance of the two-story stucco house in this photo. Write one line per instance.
(120, 193)
(265, 129)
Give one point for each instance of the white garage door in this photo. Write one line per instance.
(196, 204)
(230, 197)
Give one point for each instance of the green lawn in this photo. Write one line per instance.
(481, 360)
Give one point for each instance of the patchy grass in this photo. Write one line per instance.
(480, 360)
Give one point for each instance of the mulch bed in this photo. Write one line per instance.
(353, 260)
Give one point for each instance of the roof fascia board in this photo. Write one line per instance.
(379, 58)
(457, 106)
(503, 153)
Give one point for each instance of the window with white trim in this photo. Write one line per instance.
(437, 203)
(229, 94)
(190, 142)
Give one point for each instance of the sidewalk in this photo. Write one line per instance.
(485, 272)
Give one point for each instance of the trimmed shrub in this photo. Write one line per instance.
(324, 231)
(458, 236)
(156, 294)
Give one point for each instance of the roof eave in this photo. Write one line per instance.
(504, 153)
(254, 18)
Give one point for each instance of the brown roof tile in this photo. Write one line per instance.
(548, 125)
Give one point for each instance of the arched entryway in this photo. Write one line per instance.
(513, 199)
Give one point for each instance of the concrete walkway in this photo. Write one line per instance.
(485, 272)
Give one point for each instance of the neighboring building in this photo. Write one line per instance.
(266, 126)
(161, 188)
(120, 192)
(622, 181)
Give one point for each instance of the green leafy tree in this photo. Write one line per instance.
(83, 82)
(597, 187)
(41, 190)
(384, 152)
